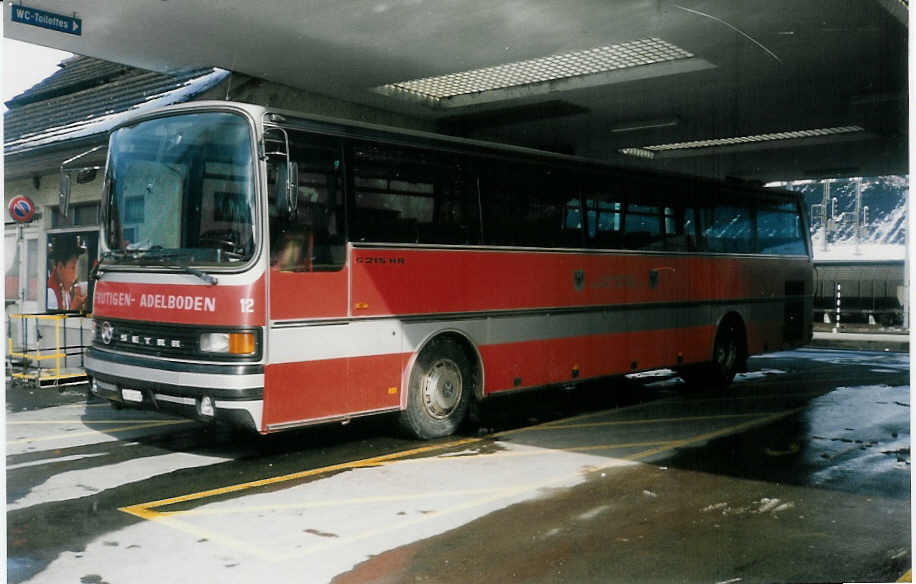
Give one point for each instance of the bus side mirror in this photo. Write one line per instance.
(83, 177)
(293, 185)
(63, 197)
(86, 175)
(287, 188)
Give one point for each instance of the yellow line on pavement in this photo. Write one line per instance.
(338, 502)
(716, 434)
(145, 509)
(555, 426)
(148, 510)
(61, 436)
(390, 498)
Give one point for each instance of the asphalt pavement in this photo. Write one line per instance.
(799, 473)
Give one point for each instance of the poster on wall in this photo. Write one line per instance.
(70, 258)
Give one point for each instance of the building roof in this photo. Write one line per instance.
(86, 97)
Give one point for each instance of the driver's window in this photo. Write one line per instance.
(311, 238)
(225, 210)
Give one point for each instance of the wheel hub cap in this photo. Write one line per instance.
(442, 388)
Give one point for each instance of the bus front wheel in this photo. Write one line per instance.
(439, 391)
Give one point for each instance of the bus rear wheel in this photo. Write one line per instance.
(439, 391)
(718, 374)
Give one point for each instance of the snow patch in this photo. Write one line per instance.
(53, 460)
(649, 374)
(591, 514)
(714, 507)
(78, 483)
(751, 375)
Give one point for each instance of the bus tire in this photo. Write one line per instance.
(438, 392)
(719, 373)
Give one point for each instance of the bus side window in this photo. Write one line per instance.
(690, 229)
(603, 216)
(643, 227)
(311, 238)
(780, 232)
(728, 229)
(406, 195)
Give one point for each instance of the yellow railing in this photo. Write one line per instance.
(35, 356)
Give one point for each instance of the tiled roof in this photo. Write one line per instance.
(88, 96)
(74, 74)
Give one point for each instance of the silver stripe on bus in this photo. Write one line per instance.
(185, 401)
(326, 419)
(176, 378)
(386, 336)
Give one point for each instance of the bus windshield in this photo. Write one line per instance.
(181, 189)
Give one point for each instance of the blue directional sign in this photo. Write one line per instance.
(49, 20)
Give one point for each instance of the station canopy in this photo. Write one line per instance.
(755, 89)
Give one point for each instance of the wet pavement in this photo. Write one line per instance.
(799, 473)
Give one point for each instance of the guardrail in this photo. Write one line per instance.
(34, 359)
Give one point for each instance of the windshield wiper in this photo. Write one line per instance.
(162, 256)
(157, 254)
(97, 271)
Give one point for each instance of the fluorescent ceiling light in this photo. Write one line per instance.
(445, 90)
(743, 142)
(645, 125)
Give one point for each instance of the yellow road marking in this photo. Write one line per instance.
(144, 509)
(148, 510)
(716, 434)
(335, 502)
(390, 498)
(140, 426)
(555, 426)
(757, 397)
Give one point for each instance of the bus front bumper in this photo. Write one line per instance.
(231, 393)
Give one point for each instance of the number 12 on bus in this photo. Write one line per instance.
(276, 270)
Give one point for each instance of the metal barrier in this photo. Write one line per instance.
(28, 360)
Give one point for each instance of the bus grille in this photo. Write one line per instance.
(149, 339)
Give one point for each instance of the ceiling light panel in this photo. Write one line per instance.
(576, 64)
(659, 149)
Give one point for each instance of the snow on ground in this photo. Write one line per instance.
(325, 527)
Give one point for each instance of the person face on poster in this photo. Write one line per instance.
(64, 293)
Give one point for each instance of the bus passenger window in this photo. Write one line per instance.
(604, 219)
(728, 229)
(406, 195)
(690, 229)
(643, 227)
(780, 232)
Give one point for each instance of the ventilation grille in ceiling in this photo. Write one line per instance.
(576, 64)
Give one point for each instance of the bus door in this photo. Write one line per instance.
(307, 283)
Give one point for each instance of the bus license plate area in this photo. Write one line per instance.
(132, 395)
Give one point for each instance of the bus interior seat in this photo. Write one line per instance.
(292, 250)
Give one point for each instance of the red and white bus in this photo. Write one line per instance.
(277, 270)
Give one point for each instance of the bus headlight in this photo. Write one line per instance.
(231, 343)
